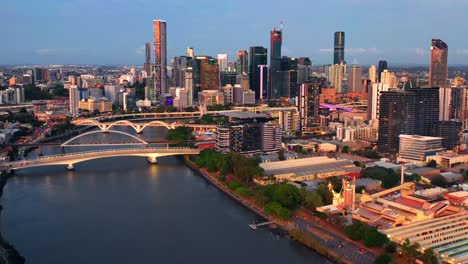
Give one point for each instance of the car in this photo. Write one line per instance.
(361, 250)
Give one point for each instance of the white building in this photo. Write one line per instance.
(374, 99)
(74, 99)
(372, 74)
(222, 62)
(414, 148)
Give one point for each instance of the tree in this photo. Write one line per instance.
(357, 163)
(410, 250)
(415, 177)
(373, 238)
(345, 149)
(311, 200)
(324, 192)
(390, 248)
(432, 164)
(181, 133)
(355, 231)
(287, 195)
(383, 259)
(429, 256)
(281, 155)
(388, 177)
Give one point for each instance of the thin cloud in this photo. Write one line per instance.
(419, 51)
(462, 52)
(140, 50)
(354, 50)
(49, 51)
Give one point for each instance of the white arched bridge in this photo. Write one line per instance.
(138, 127)
(72, 158)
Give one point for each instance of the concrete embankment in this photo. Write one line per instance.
(8, 254)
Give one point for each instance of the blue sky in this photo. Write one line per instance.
(114, 31)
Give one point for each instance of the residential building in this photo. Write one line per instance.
(74, 100)
(355, 79)
(210, 97)
(92, 103)
(372, 74)
(160, 57)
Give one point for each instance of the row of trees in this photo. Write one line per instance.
(32, 92)
(388, 177)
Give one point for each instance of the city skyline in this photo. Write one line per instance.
(393, 39)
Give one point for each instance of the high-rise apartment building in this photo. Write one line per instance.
(372, 74)
(336, 77)
(74, 99)
(276, 38)
(222, 62)
(160, 57)
(258, 57)
(179, 67)
(438, 70)
(382, 66)
(339, 47)
(355, 79)
(412, 112)
(147, 65)
(242, 62)
(373, 100)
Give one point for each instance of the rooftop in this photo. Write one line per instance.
(243, 115)
(417, 137)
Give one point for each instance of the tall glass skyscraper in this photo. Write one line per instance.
(276, 38)
(338, 55)
(438, 71)
(160, 56)
(382, 66)
(242, 62)
(258, 56)
(147, 65)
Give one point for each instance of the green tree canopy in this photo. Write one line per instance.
(286, 195)
(388, 177)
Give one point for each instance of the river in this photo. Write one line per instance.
(125, 210)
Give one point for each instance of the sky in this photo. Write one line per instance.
(113, 32)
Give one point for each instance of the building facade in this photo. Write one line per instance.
(438, 70)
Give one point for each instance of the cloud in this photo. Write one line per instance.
(419, 51)
(140, 50)
(462, 52)
(54, 52)
(354, 50)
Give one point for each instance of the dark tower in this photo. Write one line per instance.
(338, 55)
(438, 70)
(258, 56)
(147, 65)
(382, 66)
(276, 38)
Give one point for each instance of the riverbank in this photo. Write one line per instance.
(8, 254)
(288, 226)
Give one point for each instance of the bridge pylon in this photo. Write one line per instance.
(152, 159)
(70, 167)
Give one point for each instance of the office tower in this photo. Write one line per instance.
(304, 69)
(287, 84)
(449, 131)
(276, 37)
(355, 79)
(179, 66)
(382, 66)
(242, 62)
(222, 62)
(339, 47)
(372, 74)
(438, 70)
(388, 77)
(209, 73)
(232, 66)
(190, 52)
(336, 77)
(226, 78)
(160, 57)
(74, 99)
(412, 112)
(147, 65)
(258, 57)
(415, 148)
(189, 85)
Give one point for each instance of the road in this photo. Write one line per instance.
(349, 251)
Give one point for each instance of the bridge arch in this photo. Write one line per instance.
(90, 122)
(67, 143)
(168, 126)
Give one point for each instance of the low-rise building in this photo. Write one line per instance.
(448, 159)
(102, 104)
(415, 148)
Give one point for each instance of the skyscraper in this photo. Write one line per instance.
(304, 69)
(147, 65)
(355, 79)
(222, 62)
(160, 56)
(209, 73)
(336, 77)
(258, 56)
(338, 54)
(242, 62)
(179, 66)
(288, 86)
(372, 74)
(276, 38)
(74, 100)
(382, 66)
(438, 70)
(190, 53)
(412, 112)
